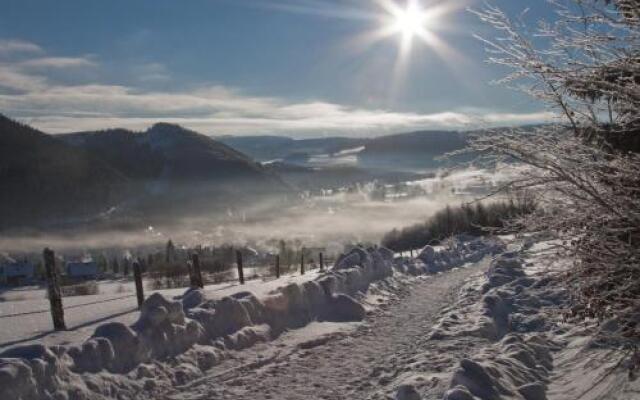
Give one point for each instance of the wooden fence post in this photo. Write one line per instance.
(302, 262)
(277, 266)
(137, 276)
(197, 274)
(321, 262)
(55, 296)
(192, 279)
(239, 262)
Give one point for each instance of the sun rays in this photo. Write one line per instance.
(413, 25)
(410, 22)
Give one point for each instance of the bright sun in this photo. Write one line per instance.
(410, 21)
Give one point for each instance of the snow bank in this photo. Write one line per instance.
(174, 342)
(459, 251)
(525, 348)
(518, 363)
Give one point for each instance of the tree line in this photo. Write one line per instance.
(470, 219)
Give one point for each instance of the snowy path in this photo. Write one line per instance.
(347, 361)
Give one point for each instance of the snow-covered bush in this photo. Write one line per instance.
(584, 64)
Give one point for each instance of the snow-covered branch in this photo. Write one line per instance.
(585, 64)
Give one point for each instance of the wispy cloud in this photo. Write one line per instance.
(15, 80)
(317, 8)
(151, 72)
(58, 62)
(8, 46)
(28, 93)
(218, 110)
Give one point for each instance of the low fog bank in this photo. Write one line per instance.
(357, 214)
(315, 221)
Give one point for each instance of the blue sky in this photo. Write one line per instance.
(292, 67)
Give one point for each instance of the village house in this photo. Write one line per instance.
(14, 272)
(82, 270)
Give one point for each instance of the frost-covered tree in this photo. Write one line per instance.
(585, 65)
(170, 252)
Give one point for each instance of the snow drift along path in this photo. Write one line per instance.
(345, 361)
(31, 320)
(174, 343)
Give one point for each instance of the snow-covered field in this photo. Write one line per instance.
(449, 324)
(27, 319)
(489, 331)
(203, 328)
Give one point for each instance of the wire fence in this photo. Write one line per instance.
(47, 310)
(181, 277)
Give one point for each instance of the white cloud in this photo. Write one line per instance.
(318, 8)
(58, 62)
(211, 109)
(8, 46)
(14, 79)
(518, 119)
(218, 110)
(151, 73)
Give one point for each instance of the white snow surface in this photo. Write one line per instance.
(449, 324)
(175, 342)
(25, 317)
(525, 347)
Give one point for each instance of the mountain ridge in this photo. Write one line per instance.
(189, 155)
(400, 152)
(164, 171)
(43, 178)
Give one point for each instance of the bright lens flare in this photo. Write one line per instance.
(410, 21)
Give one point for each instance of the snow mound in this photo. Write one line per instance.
(460, 250)
(125, 344)
(526, 349)
(344, 309)
(510, 301)
(174, 342)
(515, 368)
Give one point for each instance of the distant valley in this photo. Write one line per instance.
(120, 178)
(405, 152)
(335, 161)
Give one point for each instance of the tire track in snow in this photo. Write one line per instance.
(362, 363)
